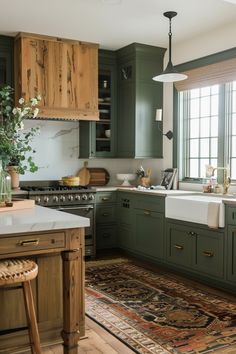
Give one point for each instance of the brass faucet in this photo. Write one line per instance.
(226, 178)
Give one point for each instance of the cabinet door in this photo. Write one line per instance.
(149, 233)
(65, 73)
(126, 111)
(210, 252)
(125, 237)
(106, 236)
(6, 61)
(105, 214)
(231, 253)
(180, 244)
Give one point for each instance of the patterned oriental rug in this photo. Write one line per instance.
(153, 312)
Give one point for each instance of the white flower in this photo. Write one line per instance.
(21, 100)
(39, 97)
(36, 111)
(33, 101)
(26, 110)
(21, 126)
(16, 111)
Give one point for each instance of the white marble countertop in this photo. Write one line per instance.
(38, 219)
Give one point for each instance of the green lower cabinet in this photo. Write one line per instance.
(196, 249)
(105, 213)
(231, 254)
(106, 220)
(209, 256)
(149, 233)
(125, 237)
(180, 245)
(106, 236)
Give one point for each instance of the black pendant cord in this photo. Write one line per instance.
(170, 36)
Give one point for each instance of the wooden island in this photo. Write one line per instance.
(55, 240)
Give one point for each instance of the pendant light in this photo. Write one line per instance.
(170, 74)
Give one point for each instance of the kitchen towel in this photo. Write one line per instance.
(213, 215)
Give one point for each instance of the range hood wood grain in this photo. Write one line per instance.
(64, 72)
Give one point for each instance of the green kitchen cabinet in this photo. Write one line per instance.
(231, 243)
(6, 60)
(149, 226)
(95, 140)
(195, 248)
(138, 134)
(106, 220)
(180, 245)
(149, 233)
(125, 221)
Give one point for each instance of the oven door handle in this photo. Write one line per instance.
(76, 207)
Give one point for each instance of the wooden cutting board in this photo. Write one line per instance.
(98, 176)
(84, 175)
(19, 204)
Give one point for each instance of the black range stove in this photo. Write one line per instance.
(78, 200)
(56, 195)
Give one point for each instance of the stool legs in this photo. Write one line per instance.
(31, 318)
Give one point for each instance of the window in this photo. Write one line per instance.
(207, 129)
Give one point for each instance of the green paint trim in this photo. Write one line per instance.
(207, 60)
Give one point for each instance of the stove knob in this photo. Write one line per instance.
(46, 199)
(55, 199)
(37, 200)
(77, 197)
(84, 197)
(62, 198)
(91, 197)
(70, 198)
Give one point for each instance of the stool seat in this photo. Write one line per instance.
(14, 271)
(17, 271)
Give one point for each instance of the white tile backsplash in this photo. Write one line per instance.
(57, 151)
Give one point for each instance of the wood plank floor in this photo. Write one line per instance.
(99, 341)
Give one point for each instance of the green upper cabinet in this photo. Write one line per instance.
(138, 134)
(97, 139)
(6, 60)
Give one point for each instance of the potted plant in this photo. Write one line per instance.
(16, 153)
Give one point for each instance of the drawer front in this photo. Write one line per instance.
(153, 203)
(231, 215)
(106, 197)
(105, 214)
(180, 246)
(209, 254)
(32, 242)
(106, 237)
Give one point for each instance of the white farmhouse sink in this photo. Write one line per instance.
(199, 209)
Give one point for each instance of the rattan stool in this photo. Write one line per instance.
(13, 271)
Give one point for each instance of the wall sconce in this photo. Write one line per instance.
(158, 118)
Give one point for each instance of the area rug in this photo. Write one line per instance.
(154, 312)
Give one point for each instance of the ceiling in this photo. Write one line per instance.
(115, 23)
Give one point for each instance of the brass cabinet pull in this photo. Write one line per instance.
(104, 199)
(208, 254)
(105, 214)
(25, 243)
(178, 247)
(147, 212)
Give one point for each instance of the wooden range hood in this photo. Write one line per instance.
(64, 72)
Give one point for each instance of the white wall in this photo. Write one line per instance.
(58, 144)
(57, 151)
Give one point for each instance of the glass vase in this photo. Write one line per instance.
(5, 187)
